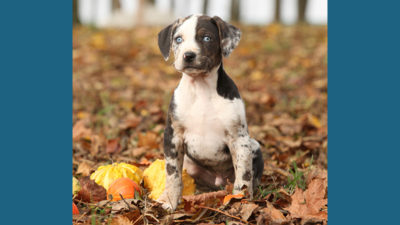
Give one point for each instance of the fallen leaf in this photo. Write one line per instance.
(228, 198)
(314, 121)
(131, 121)
(95, 143)
(138, 152)
(79, 130)
(121, 220)
(308, 204)
(98, 41)
(124, 205)
(90, 191)
(203, 199)
(113, 146)
(84, 168)
(148, 140)
(284, 198)
(316, 173)
(247, 210)
(270, 215)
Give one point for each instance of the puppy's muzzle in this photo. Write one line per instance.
(189, 57)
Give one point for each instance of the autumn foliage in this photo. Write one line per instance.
(121, 91)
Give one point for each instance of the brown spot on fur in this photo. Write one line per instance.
(247, 176)
(229, 35)
(171, 169)
(210, 52)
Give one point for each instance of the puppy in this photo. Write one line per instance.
(206, 131)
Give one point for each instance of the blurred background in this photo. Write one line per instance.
(128, 13)
(122, 85)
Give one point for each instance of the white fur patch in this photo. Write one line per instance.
(206, 116)
(188, 33)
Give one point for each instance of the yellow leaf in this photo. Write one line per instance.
(98, 41)
(314, 121)
(256, 75)
(76, 186)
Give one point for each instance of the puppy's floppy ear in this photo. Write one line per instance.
(228, 34)
(165, 39)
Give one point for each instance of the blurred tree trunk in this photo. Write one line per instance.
(75, 19)
(235, 10)
(277, 11)
(205, 6)
(302, 11)
(115, 4)
(172, 4)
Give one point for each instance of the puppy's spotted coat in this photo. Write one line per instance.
(206, 131)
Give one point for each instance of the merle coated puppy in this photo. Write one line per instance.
(206, 131)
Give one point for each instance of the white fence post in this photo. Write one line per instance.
(317, 12)
(257, 11)
(221, 8)
(289, 11)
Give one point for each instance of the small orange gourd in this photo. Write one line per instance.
(75, 210)
(124, 186)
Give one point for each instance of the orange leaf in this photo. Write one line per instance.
(75, 210)
(228, 198)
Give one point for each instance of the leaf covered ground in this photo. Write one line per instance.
(121, 90)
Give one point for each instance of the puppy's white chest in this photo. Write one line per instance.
(204, 127)
(201, 115)
(204, 116)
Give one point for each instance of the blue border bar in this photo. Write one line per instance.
(363, 107)
(36, 111)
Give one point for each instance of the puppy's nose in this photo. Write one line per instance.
(189, 56)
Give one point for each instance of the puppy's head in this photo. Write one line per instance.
(198, 43)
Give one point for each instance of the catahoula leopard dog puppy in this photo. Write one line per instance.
(206, 131)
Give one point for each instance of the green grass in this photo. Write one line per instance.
(270, 189)
(295, 180)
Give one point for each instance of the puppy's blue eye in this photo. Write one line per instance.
(206, 39)
(178, 40)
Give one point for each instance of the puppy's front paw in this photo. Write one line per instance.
(244, 190)
(169, 201)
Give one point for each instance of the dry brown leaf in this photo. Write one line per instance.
(95, 143)
(121, 220)
(211, 224)
(270, 215)
(91, 191)
(308, 204)
(138, 152)
(113, 146)
(79, 130)
(287, 125)
(203, 199)
(205, 196)
(84, 168)
(316, 173)
(247, 210)
(131, 121)
(148, 140)
(315, 195)
(284, 198)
